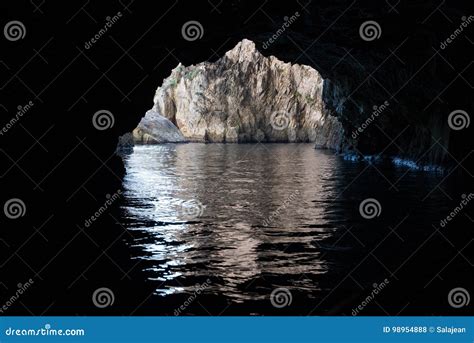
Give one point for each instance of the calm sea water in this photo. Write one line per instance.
(231, 223)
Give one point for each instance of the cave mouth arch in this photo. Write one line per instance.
(244, 97)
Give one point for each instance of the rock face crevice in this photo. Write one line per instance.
(243, 97)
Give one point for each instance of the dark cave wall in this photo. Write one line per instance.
(62, 167)
(405, 70)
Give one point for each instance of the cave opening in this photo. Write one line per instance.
(243, 97)
(395, 96)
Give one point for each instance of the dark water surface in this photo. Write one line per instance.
(234, 222)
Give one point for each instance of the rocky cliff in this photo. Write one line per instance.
(244, 97)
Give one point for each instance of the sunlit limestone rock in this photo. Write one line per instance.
(154, 128)
(246, 97)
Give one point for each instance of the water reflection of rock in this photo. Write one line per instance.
(231, 240)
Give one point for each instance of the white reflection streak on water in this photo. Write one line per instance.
(239, 190)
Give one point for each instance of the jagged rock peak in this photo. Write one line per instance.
(244, 50)
(244, 97)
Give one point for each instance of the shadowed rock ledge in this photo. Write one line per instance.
(154, 128)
